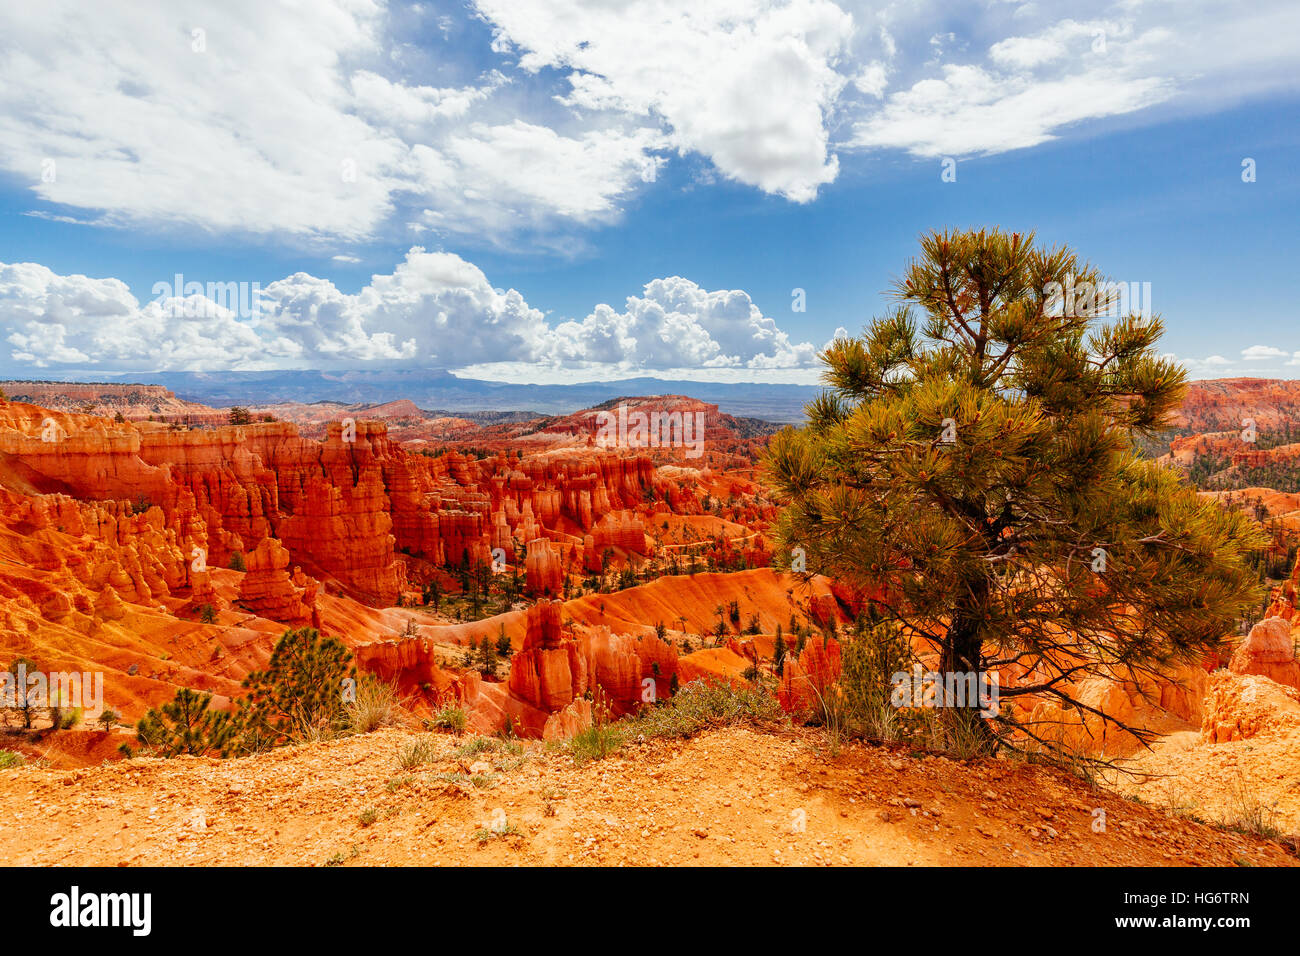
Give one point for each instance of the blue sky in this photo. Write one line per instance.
(548, 192)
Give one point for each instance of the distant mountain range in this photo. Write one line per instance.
(438, 390)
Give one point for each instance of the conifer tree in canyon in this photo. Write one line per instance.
(973, 461)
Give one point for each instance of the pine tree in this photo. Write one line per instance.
(24, 697)
(300, 693)
(186, 726)
(432, 594)
(488, 655)
(778, 652)
(975, 456)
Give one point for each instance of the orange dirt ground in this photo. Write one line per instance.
(729, 796)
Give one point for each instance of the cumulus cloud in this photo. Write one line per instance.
(325, 122)
(1058, 41)
(434, 310)
(174, 115)
(873, 80)
(747, 83)
(415, 108)
(51, 320)
(514, 176)
(677, 324)
(1262, 353)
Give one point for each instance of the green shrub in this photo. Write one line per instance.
(186, 726)
(449, 718)
(375, 706)
(481, 745)
(483, 834)
(416, 752)
(869, 657)
(596, 742)
(479, 781)
(699, 706)
(9, 760)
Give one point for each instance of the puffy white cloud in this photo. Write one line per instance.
(873, 80)
(747, 83)
(414, 108)
(228, 117)
(677, 324)
(434, 310)
(840, 333)
(1262, 353)
(52, 320)
(1056, 42)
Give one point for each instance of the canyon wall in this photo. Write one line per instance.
(343, 508)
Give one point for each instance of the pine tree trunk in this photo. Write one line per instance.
(962, 653)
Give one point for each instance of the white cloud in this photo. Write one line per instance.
(747, 83)
(677, 324)
(579, 177)
(1116, 58)
(434, 310)
(246, 133)
(415, 108)
(840, 333)
(972, 110)
(281, 124)
(1257, 361)
(1026, 52)
(53, 320)
(1262, 353)
(313, 121)
(873, 80)
(1067, 37)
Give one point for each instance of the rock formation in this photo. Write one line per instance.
(544, 568)
(805, 680)
(1269, 650)
(1239, 707)
(549, 671)
(269, 591)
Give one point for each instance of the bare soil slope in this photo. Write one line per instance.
(729, 796)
